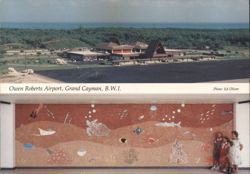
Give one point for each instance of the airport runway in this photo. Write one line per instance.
(192, 72)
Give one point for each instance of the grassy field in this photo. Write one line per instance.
(40, 63)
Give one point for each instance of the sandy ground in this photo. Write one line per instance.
(33, 78)
(104, 155)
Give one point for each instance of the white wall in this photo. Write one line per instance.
(7, 136)
(242, 126)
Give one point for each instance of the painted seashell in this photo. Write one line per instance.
(81, 152)
(153, 108)
(123, 140)
(151, 140)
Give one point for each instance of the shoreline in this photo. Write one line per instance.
(33, 78)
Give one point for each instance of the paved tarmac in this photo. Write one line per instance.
(191, 72)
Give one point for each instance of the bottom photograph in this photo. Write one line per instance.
(160, 131)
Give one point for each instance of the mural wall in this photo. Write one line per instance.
(119, 134)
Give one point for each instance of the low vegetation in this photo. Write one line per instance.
(82, 37)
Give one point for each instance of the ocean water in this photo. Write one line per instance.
(27, 25)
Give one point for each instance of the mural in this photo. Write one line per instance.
(119, 134)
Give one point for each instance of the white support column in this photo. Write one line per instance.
(7, 136)
(242, 122)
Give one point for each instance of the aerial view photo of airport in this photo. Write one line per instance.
(130, 41)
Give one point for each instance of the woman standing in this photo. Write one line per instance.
(234, 152)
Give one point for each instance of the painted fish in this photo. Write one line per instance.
(43, 132)
(141, 117)
(28, 146)
(168, 124)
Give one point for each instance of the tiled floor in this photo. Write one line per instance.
(114, 171)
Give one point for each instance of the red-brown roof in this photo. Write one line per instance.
(113, 46)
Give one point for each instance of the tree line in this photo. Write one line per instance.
(90, 37)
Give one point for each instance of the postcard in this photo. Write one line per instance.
(123, 83)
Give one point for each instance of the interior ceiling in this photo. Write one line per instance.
(139, 98)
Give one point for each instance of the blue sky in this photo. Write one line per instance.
(124, 11)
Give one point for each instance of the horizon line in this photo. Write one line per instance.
(124, 22)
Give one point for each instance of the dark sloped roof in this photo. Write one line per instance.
(115, 40)
(155, 47)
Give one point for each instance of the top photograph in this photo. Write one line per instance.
(124, 41)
